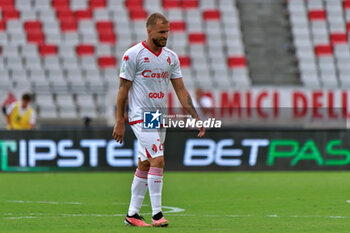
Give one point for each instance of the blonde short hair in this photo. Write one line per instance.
(153, 18)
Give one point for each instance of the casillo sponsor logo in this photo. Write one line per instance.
(155, 95)
(151, 74)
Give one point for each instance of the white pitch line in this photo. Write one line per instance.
(337, 216)
(72, 203)
(44, 202)
(172, 209)
(37, 215)
(92, 215)
(23, 217)
(238, 216)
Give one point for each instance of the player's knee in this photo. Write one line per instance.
(157, 162)
(144, 165)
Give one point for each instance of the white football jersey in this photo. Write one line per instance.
(150, 74)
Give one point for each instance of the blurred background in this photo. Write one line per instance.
(239, 53)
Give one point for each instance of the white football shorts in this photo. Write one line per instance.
(150, 141)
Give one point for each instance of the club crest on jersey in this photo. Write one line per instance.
(126, 58)
(146, 60)
(168, 60)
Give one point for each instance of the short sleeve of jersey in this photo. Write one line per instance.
(128, 66)
(176, 71)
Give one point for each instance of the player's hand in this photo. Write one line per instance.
(201, 132)
(118, 132)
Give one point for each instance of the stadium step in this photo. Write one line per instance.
(266, 34)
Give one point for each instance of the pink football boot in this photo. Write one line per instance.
(136, 220)
(160, 223)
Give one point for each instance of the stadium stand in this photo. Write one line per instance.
(320, 29)
(68, 52)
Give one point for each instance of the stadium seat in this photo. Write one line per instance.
(81, 15)
(234, 62)
(168, 4)
(14, 63)
(72, 46)
(86, 106)
(327, 44)
(103, 50)
(76, 5)
(187, 77)
(20, 78)
(176, 26)
(323, 50)
(47, 50)
(152, 5)
(46, 105)
(175, 14)
(209, 15)
(138, 14)
(5, 81)
(107, 61)
(85, 50)
(197, 38)
(2, 25)
(70, 64)
(185, 61)
(38, 79)
(189, 4)
(97, 4)
(65, 101)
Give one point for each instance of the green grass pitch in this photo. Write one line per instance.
(195, 202)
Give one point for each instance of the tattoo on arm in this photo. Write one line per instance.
(122, 83)
(122, 98)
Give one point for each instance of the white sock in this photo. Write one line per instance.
(138, 191)
(155, 185)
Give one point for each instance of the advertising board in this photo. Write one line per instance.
(230, 149)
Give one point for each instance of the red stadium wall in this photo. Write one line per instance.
(278, 106)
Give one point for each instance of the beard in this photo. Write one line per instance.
(159, 42)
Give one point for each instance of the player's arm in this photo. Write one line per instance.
(186, 101)
(119, 128)
(8, 120)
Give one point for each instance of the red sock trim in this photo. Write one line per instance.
(141, 174)
(156, 171)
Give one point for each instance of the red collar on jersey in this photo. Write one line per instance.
(157, 54)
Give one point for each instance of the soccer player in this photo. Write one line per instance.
(145, 73)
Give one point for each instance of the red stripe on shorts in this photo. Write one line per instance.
(148, 154)
(135, 122)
